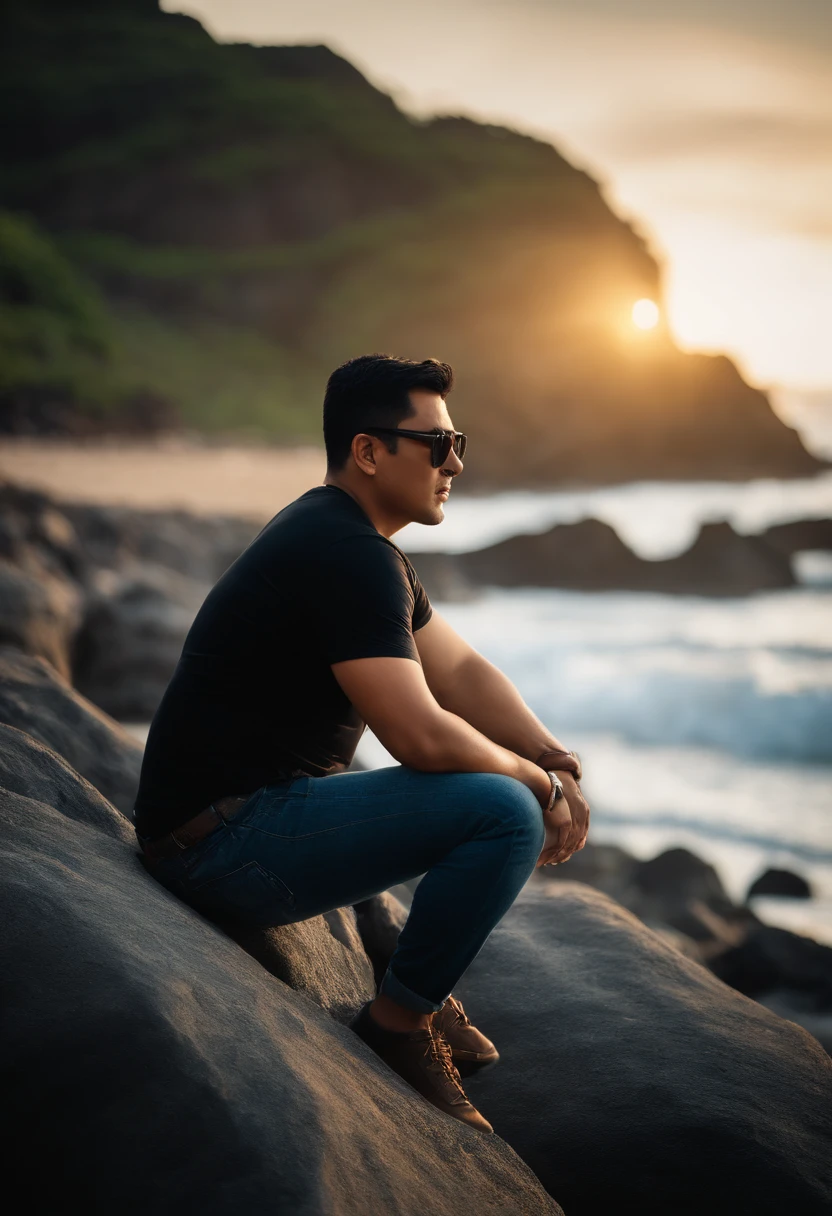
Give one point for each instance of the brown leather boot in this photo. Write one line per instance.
(423, 1059)
(471, 1049)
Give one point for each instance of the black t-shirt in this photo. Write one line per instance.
(253, 698)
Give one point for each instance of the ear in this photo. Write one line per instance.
(363, 453)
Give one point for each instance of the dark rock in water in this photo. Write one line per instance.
(380, 921)
(589, 556)
(720, 562)
(769, 958)
(158, 1067)
(780, 882)
(675, 893)
(799, 535)
(632, 1080)
(36, 699)
(607, 867)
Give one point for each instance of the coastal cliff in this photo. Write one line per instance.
(196, 234)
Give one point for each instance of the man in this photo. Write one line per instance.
(321, 626)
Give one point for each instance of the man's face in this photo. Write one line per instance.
(406, 482)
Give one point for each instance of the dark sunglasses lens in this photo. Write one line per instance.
(442, 445)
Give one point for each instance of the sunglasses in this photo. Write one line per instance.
(441, 442)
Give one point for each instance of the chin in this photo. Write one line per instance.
(431, 515)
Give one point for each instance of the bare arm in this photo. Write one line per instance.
(466, 684)
(393, 698)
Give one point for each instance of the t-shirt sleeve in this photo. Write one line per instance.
(364, 601)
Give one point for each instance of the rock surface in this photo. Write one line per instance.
(38, 700)
(780, 882)
(633, 1080)
(589, 556)
(157, 1067)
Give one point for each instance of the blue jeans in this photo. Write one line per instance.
(301, 847)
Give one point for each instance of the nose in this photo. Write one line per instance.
(453, 464)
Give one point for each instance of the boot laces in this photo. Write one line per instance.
(440, 1053)
(458, 1010)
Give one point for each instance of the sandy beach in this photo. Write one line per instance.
(173, 473)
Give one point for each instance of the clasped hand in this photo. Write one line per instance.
(567, 824)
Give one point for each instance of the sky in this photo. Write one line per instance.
(707, 122)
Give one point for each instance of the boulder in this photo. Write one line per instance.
(136, 621)
(158, 1067)
(35, 698)
(799, 535)
(607, 867)
(380, 921)
(632, 1079)
(40, 612)
(780, 882)
(676, 893)
(202, 547)
(769, 958)
(323, 957)
(590, 556)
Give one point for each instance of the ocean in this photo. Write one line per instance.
(705, 723)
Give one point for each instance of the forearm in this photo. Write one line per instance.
(455, 745)
(487, 699)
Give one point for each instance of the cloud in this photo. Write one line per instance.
(754, 135)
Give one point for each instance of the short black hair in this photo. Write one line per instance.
(371, 390)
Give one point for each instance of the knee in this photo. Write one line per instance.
(514, 804)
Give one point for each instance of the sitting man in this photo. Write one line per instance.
(319, 627)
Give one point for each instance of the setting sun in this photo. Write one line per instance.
(645, 314)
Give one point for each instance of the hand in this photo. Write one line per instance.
(567, 824)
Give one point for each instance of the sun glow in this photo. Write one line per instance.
(645, 314)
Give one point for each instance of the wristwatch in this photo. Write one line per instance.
(557, 790)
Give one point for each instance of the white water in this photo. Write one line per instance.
(655, 519)
(702, 723)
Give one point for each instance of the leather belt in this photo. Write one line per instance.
(195, 829)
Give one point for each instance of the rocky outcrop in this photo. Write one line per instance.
(135, 622)
(213, 252)
(380, 920)
(780, 882)
(36, 699)
(107, 595)
(799, 535)
(158, 1067)
(323, 957)
(632, 1079)
(589, 556)
(681, 898)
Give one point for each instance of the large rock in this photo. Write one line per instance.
(199, 546)
(780, 882)
(676, 893)
(633, 1080)
(589, 556)
(380, 921)
(770, 959)
(41, 602)
(799, 535)
(37, 699)
(135, 623)
(323, 957)
(157, 1067)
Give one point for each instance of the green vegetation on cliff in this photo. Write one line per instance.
(230, 222)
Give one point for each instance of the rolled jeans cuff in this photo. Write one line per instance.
(395, 989)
